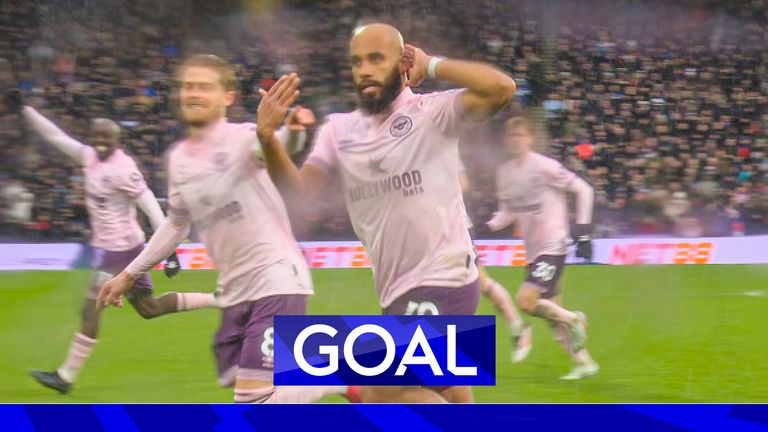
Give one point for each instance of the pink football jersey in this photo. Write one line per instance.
(111, 187)
(533, 193)
(400, 179)
(238, 213)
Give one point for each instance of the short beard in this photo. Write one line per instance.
(389, 92)
(200, 122)
(196, 123)
(104, 156)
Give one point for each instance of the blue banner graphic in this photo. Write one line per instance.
(439, 350)
(360, 417)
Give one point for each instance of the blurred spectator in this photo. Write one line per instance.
(662, 106)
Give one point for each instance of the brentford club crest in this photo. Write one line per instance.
(400, 126)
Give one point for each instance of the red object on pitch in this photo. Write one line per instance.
(353, 394)
(585, 150)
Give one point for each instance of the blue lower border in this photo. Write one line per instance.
(343, 417)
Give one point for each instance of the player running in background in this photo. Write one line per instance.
(522, 332)
(397, 156)
(219, 184)
(114, 187)
(532, 192)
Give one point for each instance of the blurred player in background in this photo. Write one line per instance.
(532, 192)
(397, 157)
(219, 184)
(114, 187)
(522, 332)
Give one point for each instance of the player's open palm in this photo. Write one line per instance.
(112, 291)
(276, 102)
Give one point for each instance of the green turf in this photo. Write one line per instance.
(660, 333)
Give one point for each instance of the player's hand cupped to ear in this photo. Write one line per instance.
(275, 104)
(416, 62)
(111, 292)
(408, 63)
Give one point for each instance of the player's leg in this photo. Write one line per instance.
(536, 293)
(228, 343)
(253, 382)
(501, 300)
(81, 346)
(464, 301)
(148, 306)
(522, 333)
(429, 301)
(584, 365)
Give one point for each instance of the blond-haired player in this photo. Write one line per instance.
(218, 184)
(532, 190)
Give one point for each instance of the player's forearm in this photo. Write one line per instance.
(147, 203)
(164, 242)
(283, 172)
(480, 78)
(500, 220)
(293, 140)
(488, 88)
(52, 134)
(585, 200)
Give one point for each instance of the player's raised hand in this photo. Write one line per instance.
(13, 100)
(300, 118)
(111, 292)
(416, 62)
(275, 103)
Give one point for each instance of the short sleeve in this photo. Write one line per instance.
(132, 182)
(323, 153)
(559, 177)
(444, 108)
(87, 155)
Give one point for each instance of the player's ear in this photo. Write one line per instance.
(405, 64)
(229, 97)
(406, 58)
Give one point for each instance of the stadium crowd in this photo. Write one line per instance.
(662, 109)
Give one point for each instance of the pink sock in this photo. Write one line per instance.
(79, 351)
(190, 301)
(550, 310)
(502, 301)
(563, 336)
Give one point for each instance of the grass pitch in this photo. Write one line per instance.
(660, 334)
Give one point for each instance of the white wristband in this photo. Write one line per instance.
(432, 69)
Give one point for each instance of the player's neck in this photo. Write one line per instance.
(198, 132)
(520, 159)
